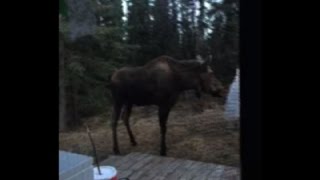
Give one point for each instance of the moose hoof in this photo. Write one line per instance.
(134, 144)
(163, 153)
(116, 151)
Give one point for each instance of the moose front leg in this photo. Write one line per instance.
(125, 119)
(199, 105)
(163, 118)
(198, 93)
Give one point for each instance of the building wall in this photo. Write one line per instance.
(232, 106)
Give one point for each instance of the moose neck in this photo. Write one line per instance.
(189, 82)
(187, 74)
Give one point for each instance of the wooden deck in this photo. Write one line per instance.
(138, 166)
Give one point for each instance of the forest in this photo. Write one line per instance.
(98, 36)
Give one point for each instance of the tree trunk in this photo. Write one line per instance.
(200, 47)
(74, 121)
(62, 100)
(82, 20)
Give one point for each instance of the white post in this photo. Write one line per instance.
(232, 106)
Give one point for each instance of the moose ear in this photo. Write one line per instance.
(209, 59)
(199, 59)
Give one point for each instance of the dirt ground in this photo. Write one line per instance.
(203, 136)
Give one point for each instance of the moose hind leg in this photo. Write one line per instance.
(115, 118)
(163, 117)
(125, 119)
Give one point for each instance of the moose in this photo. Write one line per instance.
(159, 82)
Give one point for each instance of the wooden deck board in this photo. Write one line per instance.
(143, 173)
(138, 166)
(162, 168)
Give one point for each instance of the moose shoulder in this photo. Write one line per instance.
(158, 82)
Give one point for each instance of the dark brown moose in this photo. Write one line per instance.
(159, 82)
